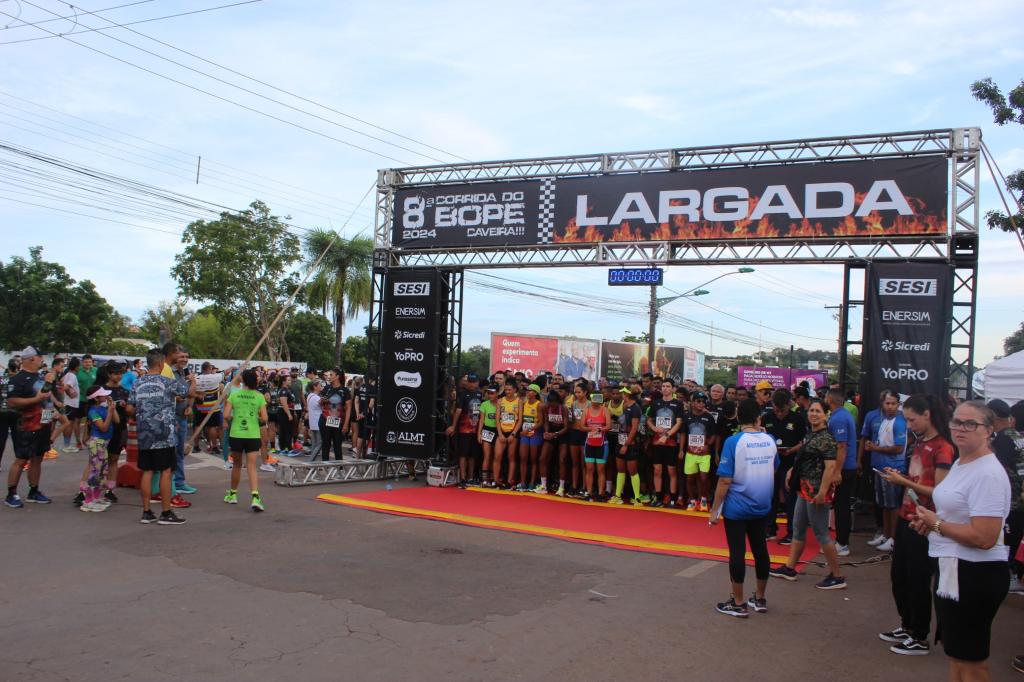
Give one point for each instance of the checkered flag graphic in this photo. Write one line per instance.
(546, 217)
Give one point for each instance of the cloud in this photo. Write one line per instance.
(817, 18)
(656, 106)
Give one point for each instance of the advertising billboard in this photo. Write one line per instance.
(531, 354)
(623, 360)
(781, 377)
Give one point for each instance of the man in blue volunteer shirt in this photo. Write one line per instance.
(844, 429)
(743, 498)
(887, 445)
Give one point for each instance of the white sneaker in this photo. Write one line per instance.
(267, 467)
(877, 540)
(886, 546)
(541, 489)
(560, 492)
(842, 550)
(69, 448)
(228, 465)
(101, 502)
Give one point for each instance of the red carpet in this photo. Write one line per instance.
(660, 531)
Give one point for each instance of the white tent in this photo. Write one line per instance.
(1004, 378)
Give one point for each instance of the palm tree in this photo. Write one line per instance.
(342, 281)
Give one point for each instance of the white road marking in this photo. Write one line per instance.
(696, 569)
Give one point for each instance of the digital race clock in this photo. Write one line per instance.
(618, 277)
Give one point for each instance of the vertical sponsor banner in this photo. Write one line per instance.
(408, 383)
(907, 329)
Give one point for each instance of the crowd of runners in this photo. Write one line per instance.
(944, 480)
(751, 456)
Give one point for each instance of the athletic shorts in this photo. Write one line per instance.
(115, 444)
(73, 413)
(887, 495)
(466, 445)
(595, 454)
(158, 459)
(244, 444)
(693, 463)
(632, 453)
(666, 455)
(536, 439)
(31, 444)
(577, 437)
(216, 419)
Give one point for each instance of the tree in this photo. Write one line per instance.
(353, 355)
(41, 304)
(310, 339)
(1015, 341)
(1005, 109)
(476, 359)
(240, 263)
(642, 338)
(341, 281)
(165, 321)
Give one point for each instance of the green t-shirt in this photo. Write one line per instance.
(86, 378)
(245, 413)
(489, 412)
(852, 409)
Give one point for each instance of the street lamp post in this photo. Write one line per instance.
(657, 303)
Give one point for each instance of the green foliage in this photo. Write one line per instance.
(41, 304)
(1005, 109)
(240, 263)
(1015, 341)
(341, 283)
(353, 355)
(165, 321)
(476, 359)
(122, 347)
(310, 340)
(639, 338)
(719, 376)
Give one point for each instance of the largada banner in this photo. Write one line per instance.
(837, 199)
(907, 329)
(624, 360)
(409, 361)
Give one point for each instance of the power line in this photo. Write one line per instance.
(102, 31)
(214, 95)
(47, 21)
(130, 23)
(743, 319)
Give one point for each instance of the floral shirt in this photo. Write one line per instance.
(155, 422)
(819, 449)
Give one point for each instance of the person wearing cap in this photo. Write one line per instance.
(32, 397)
(598, 421)
(1008, 446)
(464, 427)
(695, 452)
(763, 391)
(530, 439)
(487, 434)
(626, 444)
(102, 415)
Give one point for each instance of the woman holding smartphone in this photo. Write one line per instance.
(931, 457)
(965, 537)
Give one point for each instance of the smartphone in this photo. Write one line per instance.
(878, 471)
(912, 494)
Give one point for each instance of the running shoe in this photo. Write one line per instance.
(38, 498)
(638, 502)
(99, 501)
(69, 449)
(560, 492)
(832, 582)
(784, 572)
(148, 517)
(731, 608)
(51, 454)
(228, 465)
(842, 550)
(1015, 586)
(759, 605)
(877, 540)
(894, 636)
(268, 468)
(1018, 664)
(911, 647)
(886, 546)
(644, 499)
(156, 497)
(656, 502)
(93, 506)
(786, 541)
(78, 499)
(672, 504)
(109, 496)
(462, 484)
(169, 518)
(541, 489)
(179, 502)
(615, 499)
(231, 497)
(704, 505)
(272, 460)
(186, 489)
(257, 503)
(14, 501)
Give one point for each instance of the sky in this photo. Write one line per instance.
(481, 81)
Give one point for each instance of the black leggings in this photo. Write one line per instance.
(284, 431)
(8, 421)
(841, 505)
(331, 436)
(737, 534)
(911, 574)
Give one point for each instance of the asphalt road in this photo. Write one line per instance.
(311, 591)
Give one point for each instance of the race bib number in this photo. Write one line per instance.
(528, 427)
(555, 418)
(47, 416)
(623, 438)
(615, 427)
(663, 422)
(488, 436)
(696, 440)
(333, 422)
(595, 434)
(508, 418)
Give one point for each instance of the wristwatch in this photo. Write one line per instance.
(937, 526)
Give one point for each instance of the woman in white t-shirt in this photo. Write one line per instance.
(71, 402)
(965, 536)
(314, 411)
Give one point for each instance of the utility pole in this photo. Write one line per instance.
(841, 318)
(651, 328)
